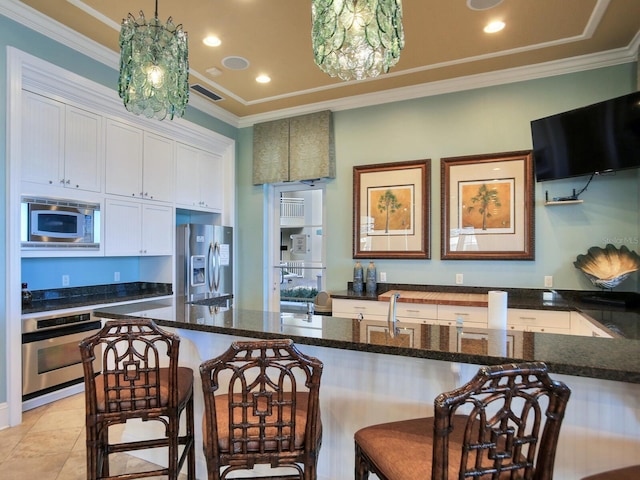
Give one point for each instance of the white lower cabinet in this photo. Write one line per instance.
(137, 228)
(583, 326)
(545, 321)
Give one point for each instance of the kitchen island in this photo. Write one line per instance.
(365, 383)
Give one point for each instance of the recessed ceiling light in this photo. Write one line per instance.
(263, 78)
(494, 27)
(212, 41)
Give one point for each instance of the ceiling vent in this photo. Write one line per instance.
(205, 92)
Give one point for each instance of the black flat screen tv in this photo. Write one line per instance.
(598, 138)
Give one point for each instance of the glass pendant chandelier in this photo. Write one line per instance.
(356, 39)
(154, 67)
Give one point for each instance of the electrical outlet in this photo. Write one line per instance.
(548, 281)
(383, 276)
(116, 276)
(65, 280)
(459, 279)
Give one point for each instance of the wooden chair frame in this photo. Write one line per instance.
(139, 379)
(259, 386)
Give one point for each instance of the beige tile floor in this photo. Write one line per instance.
(50, 445)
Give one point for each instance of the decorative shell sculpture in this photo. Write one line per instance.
(608, 267)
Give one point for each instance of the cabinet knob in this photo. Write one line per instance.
(68, 182)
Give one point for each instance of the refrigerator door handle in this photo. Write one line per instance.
(217, 268)
(210, 267)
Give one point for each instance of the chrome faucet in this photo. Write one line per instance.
(391, 318)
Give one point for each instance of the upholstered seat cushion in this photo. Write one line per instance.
(627, 473)
(222, 414)
(403, 450)
(145, 397)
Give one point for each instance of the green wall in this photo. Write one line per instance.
(486, 120)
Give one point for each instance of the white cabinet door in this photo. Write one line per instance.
(123, 159)
(158, 168)
(83, 150)
(122, 228)
(211, 184)
(157, 229)
(187, 171)
(136, 228)
(42, 140)
(199, 178)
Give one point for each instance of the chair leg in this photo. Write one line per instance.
(361, 465)
(92, 453)
(191, 459)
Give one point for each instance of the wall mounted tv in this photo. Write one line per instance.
(598, 138)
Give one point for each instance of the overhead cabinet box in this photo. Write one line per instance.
(294, 149)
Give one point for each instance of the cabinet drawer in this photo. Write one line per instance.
(416, 312)
(352, 308)
(449, 314)
(538, 320)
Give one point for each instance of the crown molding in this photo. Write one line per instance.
(40, 23)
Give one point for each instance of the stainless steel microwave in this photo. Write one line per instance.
(56, 223)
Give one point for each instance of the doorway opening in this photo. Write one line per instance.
(297, 253)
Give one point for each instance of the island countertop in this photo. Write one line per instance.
(614, 359)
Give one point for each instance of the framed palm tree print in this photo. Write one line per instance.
(487, 207)
(391, 210)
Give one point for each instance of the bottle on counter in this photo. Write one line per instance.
(358, 278)
(372, 281)
(27, 296)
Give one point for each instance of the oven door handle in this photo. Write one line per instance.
(60, 332)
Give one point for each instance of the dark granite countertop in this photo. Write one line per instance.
(63, 298)
(617, 311)
(615, 359)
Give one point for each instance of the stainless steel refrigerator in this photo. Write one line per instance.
(204, 261)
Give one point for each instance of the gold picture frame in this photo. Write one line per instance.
(488, 207)
(391, 203)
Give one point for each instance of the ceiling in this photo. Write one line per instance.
(445, 46)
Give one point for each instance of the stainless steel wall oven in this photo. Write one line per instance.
(50, 353)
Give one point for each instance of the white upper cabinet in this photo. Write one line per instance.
(139, 164)
(61, 144)
(135, 228)
(123, 159)
(158, 168)
(199, 178)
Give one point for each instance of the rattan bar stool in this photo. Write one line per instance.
(261, 402)
(131, 372)
(503, 424)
